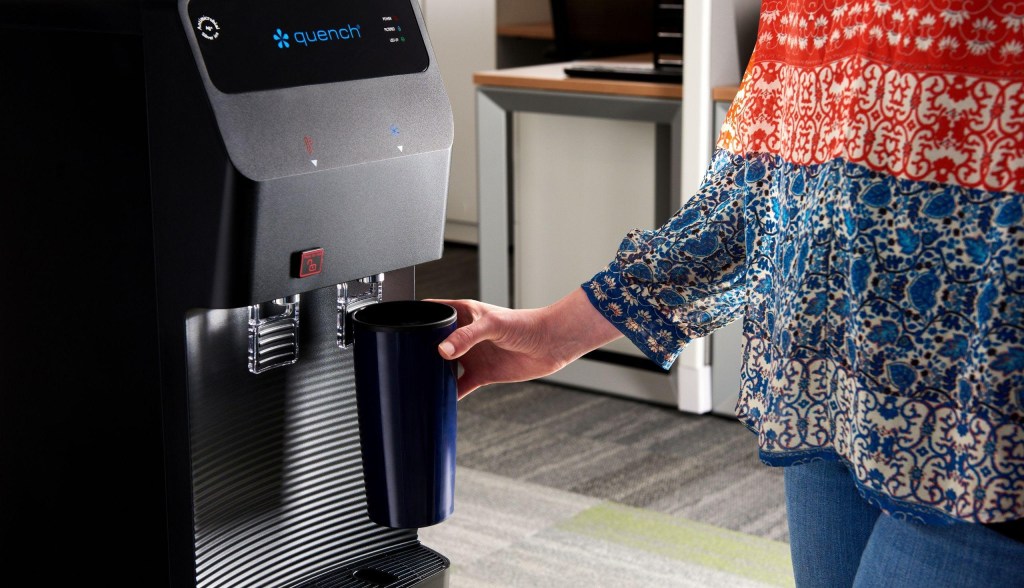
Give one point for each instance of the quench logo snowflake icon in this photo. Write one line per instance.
(282, 39)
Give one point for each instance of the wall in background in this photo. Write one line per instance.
(462, 32)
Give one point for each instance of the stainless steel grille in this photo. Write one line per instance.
(277, 475)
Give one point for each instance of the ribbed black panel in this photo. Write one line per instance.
(277, 477)
(408, 566)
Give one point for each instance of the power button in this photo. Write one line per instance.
(208, 28)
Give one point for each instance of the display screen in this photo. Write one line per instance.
(251, 45)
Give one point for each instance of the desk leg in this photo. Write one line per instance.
(493, 124)
(667, 190)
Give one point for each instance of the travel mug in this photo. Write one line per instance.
(406, 396)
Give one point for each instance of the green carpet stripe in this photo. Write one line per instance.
(729, 551)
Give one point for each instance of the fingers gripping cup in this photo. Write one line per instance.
(406, 396)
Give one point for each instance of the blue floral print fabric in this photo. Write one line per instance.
(864, 217)
(883, 323)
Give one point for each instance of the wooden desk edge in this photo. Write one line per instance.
(724, 93)
(580, 85)
(551, 77)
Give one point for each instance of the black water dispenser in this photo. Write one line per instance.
(197, 195)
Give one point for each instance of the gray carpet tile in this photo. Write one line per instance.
(700, 467)
(477, 434)
(745, 499)
(545, 456)
(558, 558)
(511, 533)
(611, 419)
(494, 512)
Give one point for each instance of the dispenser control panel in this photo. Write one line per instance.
(271, 44)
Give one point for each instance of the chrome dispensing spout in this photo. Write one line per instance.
(351, 297)
(273, 334)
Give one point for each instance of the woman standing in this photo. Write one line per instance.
(864, 215)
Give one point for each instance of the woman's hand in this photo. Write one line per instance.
(495, 344)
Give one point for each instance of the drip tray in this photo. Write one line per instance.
(407, 566)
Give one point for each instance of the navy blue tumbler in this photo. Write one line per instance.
(406, 396)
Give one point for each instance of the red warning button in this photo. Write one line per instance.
(311, 263)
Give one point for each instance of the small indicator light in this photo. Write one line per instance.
(309, 144)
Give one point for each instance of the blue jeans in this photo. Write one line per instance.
(838, 539)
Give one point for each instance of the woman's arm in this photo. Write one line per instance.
(495, 344)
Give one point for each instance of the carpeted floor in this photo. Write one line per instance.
(507, 533)
(564, 487)
(699, 467)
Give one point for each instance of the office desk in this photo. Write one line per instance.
(546, 89)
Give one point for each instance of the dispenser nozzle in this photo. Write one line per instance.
(351, 297)
(273, 334)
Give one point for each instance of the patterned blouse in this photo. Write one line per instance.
(864, 215)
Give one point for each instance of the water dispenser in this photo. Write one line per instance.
(198, 196)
